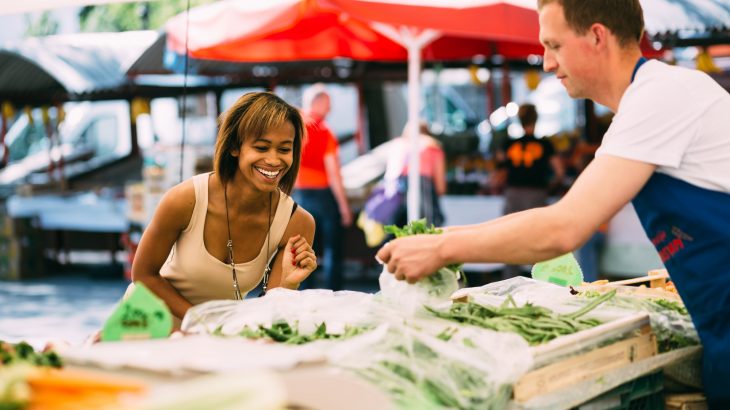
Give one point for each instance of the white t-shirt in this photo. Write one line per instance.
(677, 119)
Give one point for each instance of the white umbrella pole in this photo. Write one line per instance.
(415, 44)
(414, 104)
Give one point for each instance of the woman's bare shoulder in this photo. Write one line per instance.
(177, 204)
(302, 223)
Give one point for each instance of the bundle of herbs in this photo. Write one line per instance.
(535, 324)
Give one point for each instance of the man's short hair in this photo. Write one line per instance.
(312, 93)
(527, 114)
(624, 18)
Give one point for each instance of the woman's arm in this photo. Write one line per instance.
(439, 172)
(170, 219)
(299, 235)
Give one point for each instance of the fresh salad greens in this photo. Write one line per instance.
(535, 324)
(283, 332)
(421, 227)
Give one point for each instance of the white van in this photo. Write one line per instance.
(97, 134)
(92, 134)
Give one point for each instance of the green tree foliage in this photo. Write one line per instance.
(132, 16)
(45, 25)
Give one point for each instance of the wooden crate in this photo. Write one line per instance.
(584, 367)
(690, 401)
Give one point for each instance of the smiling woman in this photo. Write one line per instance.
(218, 235)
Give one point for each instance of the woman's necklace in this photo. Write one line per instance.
(229, 245)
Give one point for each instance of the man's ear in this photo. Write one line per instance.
(599, 34)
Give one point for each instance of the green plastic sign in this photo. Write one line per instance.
(142, 315)
(563, 270)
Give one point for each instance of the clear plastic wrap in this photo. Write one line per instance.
(473, 369)
(308, 309)
(410, 298)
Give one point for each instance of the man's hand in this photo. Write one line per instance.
(414, 257)
(299, 262)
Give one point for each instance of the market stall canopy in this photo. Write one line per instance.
(71, 66)
(279, 30)
(419, 24)
(506, 20)
(306, 30)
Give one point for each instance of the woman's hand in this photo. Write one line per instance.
(298, 263)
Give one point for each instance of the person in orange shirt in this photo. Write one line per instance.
(319, 186)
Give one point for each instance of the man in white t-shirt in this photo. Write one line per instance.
(667, 151)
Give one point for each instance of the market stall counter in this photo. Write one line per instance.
(518, 343)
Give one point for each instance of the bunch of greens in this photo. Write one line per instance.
(282, 332)
(535, 324)
(24, 353)
(440, 278)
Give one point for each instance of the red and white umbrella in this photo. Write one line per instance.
(417, 23)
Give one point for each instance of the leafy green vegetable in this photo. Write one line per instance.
(438, 279)
(282, 332)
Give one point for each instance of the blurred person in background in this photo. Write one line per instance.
(214, 236)
(432, 173)
(667, 151)
(319, 186)
(528, 167)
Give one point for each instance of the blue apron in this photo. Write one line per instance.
(690, 228)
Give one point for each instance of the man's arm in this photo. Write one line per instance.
(606, 185)
(332, 167)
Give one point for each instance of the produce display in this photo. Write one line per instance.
(535, 324)
(410, 341)
(670, 320)
(31, 380)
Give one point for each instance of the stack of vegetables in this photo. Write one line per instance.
(535, 324)
(35, 381)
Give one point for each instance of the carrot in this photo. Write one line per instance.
(77, 379)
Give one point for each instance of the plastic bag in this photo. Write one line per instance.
(410, 298)
(308, 308)
(474, 370)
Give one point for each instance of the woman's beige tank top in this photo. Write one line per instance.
(200, 277)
